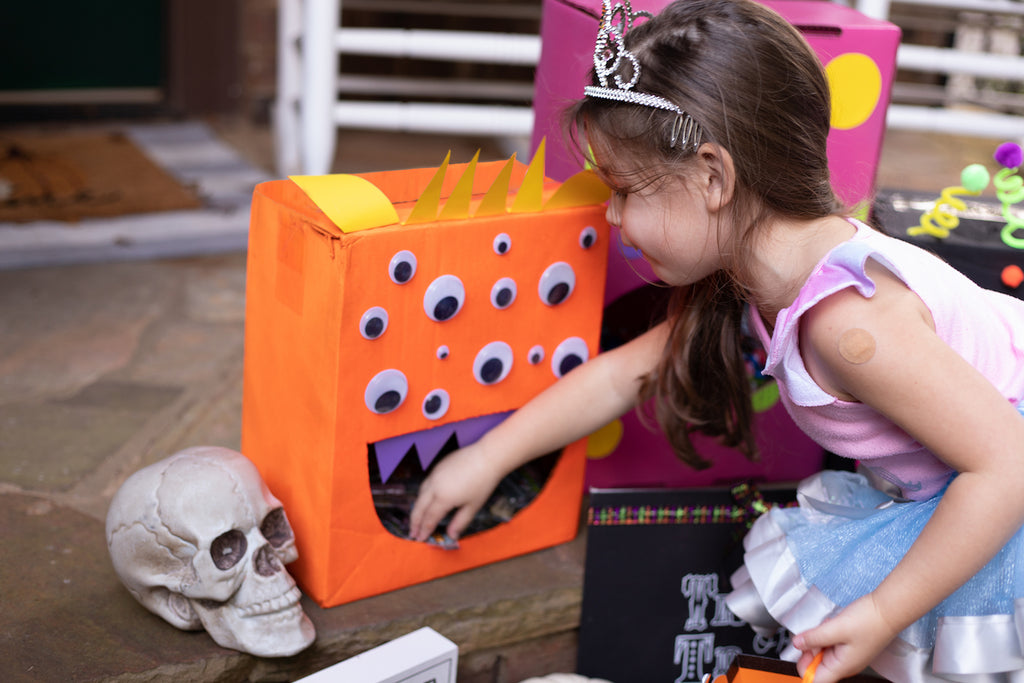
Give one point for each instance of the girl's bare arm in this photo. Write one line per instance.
(884, 352)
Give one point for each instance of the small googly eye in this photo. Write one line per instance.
(569, 354)
(492, 363)
(502, 243)
(435, 405)
(536, 355)
(556, 283)
(386, 391)
(402, 267)
(588, 237)
(444, 298)
(373, 323)
(503, 293)
(442, 352)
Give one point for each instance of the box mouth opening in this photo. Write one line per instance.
(395, 480)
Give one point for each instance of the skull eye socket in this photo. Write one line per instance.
(556, 283)
(275, 528)
(228, 549)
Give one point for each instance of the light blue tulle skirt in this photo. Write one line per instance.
(803, 564)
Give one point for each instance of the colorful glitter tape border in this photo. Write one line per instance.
(650, 515)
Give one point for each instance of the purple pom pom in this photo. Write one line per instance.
(1009, 155)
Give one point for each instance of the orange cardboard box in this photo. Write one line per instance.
(384, 304)
(752, 669)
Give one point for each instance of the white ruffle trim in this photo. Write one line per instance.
(769, 592)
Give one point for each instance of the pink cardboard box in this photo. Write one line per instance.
(859, 54)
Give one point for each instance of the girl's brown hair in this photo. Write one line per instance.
(758, 91)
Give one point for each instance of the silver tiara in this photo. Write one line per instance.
(610, 53)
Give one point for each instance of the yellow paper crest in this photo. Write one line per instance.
(354, 203)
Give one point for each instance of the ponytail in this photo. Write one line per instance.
(700, 383)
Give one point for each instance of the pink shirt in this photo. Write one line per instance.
(986, 328)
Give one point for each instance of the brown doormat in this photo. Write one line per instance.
(71, 176)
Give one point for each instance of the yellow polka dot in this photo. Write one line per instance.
(856, 84)
(601, 443)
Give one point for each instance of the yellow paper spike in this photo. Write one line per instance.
(531, 192)
(350, 202)
(457, 206)
(582, 189)
(429, 201)
(494, 200)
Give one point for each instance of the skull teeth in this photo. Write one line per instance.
(278, 604)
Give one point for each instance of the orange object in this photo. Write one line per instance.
(348, 340)
(812, 668)
(751, 669)
(1012, 276)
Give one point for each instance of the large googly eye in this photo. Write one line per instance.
(492, 363)
(502, 243)
(435, 405)
(556, 283)
(444, 298)
(588, 237)
(503, 293)
(536, 355)
(386, 391)
(373, 323)
(569, 354)
(402, 267)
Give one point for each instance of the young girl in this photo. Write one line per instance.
(709, 122)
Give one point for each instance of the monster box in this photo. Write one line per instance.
(393, 317)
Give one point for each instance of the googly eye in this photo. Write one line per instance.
(556, 283)
(373, 323)
(386, 391)
(502, 243)
(536, 355)
(435, 405)
(588, 237)
(402, 267)
(442, 352)
(444, 298)
(492, 363)
(569, 354)
(503, 293)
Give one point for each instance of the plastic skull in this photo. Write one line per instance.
(199, 540)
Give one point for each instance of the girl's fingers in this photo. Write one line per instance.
(423, 520)
(463, 516)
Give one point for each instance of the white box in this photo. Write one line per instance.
(423, 656)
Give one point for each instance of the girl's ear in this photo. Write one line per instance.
(718, 174)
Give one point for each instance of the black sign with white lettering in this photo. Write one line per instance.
(658, 564)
